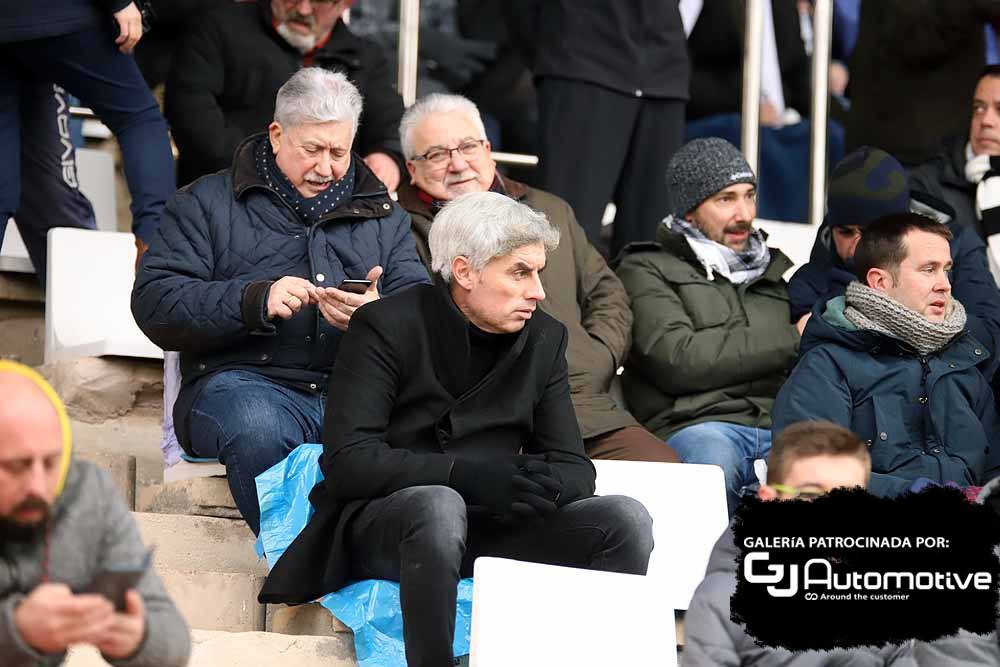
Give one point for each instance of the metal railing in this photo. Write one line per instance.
(819, 111)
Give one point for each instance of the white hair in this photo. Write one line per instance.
(317, 95)
(436, 103)
(482, 226)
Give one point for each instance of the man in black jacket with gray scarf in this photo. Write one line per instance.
(458, 437)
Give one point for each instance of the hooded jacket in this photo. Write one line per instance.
(89, 530)
(202, 287)
(580, 291)
(227, 70)
(922, 416)
(712, 639)
(826, 276)
(703, 349)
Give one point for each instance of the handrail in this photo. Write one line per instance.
(409, 36)
(750, 119)
(822, 36)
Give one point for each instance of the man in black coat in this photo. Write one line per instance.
(458, 437)
(228, 68)
(245, 280)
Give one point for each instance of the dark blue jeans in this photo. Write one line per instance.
(423, 538)
(89, 66)
(249, 423)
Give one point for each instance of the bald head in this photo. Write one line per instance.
(31, 450)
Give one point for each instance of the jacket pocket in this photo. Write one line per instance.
(893, 447)
(705, 305)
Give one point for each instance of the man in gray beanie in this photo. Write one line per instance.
(712, 339)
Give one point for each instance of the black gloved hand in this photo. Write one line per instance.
(486, 483)
(539, 487)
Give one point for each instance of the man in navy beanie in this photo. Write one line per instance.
(865, 186)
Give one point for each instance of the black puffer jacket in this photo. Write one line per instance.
(202, 287)
(227, 70)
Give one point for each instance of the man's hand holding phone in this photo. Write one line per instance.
(120, 638)
(51, 618)
(337, 304)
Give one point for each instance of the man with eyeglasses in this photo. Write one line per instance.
(808, 459)
(448, 155)
(230, 64)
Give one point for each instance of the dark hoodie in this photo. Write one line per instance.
(227, 71)
(712, 639)
(930, 416)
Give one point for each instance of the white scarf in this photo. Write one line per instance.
(987, 188)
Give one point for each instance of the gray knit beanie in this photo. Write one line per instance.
(702, 167)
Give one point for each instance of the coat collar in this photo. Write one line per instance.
(450, 329)
(409, 196)
(369, 198)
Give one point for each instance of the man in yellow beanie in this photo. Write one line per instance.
(63, 524)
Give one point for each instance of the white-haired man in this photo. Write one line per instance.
(243, 280)
(447, 154)
(458, 438)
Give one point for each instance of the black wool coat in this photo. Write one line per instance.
(409, 414)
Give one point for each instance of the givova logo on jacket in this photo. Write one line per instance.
(849, 569)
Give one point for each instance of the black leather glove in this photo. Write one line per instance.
(507, 487)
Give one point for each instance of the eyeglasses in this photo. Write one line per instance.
(438, 156)
(799, 493)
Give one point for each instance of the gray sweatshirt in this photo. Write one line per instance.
(712, 639)
(90, 530)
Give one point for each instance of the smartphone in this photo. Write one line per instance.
(112, 583)
(355, 286)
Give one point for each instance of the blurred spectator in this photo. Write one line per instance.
(715, 48)
(894, 361)
(63, 528)
(75, 44)
(444, 139)
(50, 188)
(865, 186)
(965, 172)
(716, 51)
(612, 82)
(242, 280)
(229, 66)
(911, 72)
(712, 341)
(168, 20)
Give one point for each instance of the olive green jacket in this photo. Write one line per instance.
(581, 291)
(703, 350)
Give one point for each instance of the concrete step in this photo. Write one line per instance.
(202, 496)
(121, 467)
(249, 649)
(217, 600)
(22, 318)
(305, 619)
(135, 435)
(199, 543)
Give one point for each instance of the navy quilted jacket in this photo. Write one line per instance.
(202, 286)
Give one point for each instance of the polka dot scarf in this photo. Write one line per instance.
(311, 209)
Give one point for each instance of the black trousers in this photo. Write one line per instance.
(423, 538)
(601, 146)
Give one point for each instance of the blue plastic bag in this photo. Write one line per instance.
(371, 607)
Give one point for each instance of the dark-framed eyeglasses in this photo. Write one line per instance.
(438, 156)
(799, 493)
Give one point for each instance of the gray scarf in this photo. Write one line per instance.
(871, 309)
(737, 267)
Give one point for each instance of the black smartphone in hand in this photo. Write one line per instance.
(355, 286)
(113, 582)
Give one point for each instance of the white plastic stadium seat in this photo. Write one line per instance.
(688, 504)
(89, 285)
(533, 615)
(794, 239)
